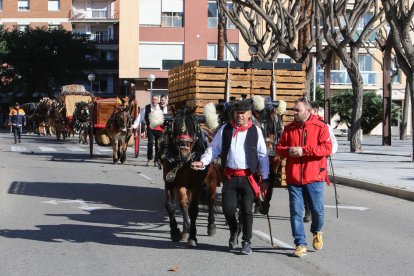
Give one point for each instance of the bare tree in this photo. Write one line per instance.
(400, 16)
(346, 36)
(274, 26)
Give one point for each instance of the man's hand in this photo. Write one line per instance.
(295, 151)
(197, 165)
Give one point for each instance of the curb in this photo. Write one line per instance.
(373, 187)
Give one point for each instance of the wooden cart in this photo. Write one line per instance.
(102, 110)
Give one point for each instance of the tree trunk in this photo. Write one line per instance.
(410, 80)
(404, 119)
(356, 131)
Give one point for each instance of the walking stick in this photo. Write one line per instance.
(334, 184)
(270, 230)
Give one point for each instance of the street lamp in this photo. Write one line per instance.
(91, 78)
(151, 79)
(126, 83)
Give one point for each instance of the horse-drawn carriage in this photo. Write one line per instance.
(69, 102)
(198, 85)
(108, 116)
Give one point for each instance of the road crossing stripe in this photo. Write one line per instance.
(144, 176)
(104, 149)
(18, 148)
(347, 207)
(47, 149)
(266, 238)
(71, 148)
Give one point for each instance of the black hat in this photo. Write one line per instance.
(16, 104)
(314, 104)
(242, 105)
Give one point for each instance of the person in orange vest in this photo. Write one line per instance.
(17, 119)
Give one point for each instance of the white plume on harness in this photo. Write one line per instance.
(212, 118)
(281, 108)
(258, 103)
(156, 118)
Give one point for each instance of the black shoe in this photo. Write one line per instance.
(233, 241)
(20, 141)
(246, 248)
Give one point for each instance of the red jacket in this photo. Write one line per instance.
(313, 136)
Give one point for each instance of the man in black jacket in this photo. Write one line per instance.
(152, 134)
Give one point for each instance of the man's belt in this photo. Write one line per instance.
(229, 172)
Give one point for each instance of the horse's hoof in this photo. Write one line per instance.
(175, 235)
(184, 236)
(211, 230)
(192, 243)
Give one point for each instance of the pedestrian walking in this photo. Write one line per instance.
(305, 143)
(17, 119)
(243, 153)
(154, 133)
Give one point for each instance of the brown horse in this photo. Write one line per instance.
(118, 129)
(182, 143)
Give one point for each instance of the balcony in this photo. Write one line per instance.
(102, 38)
(340, 77)
(93, 16)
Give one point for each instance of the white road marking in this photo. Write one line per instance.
(265, 237)
(144, 176)
(47, 149)
(347, 207)
(105, 149)
(72, 148)
(18, 148)
(83, 205)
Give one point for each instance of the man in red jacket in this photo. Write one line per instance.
(305, 143)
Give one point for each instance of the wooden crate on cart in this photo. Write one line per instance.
(200, 82)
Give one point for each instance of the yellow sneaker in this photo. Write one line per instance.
(317, 241)
(300, 251)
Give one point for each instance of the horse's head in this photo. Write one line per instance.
(185, 130)
(82, 111)
(122, 115)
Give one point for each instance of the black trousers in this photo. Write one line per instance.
(153, 137)
(238, 187)
(17, 132)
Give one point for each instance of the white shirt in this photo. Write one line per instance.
(236, 157)
(333, 140)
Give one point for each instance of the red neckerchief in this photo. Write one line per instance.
(243, 128)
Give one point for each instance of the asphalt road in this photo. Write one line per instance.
(62, 213)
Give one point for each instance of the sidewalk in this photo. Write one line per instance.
(382, 169)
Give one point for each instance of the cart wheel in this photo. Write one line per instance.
(137, 140)
(91, 131)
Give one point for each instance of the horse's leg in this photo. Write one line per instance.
(170, 206)
(114, 151)
(124, 150)
(193, 211)
(184, 204)
(211, 182)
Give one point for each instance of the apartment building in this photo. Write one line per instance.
(157, 35)
(97, 18)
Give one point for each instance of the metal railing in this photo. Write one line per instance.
(340, 77)
(92, 14)
(102, 38)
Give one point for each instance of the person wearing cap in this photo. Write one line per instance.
(243, 153)
(17, 119)
(304, 144)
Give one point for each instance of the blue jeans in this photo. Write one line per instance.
(315, 193)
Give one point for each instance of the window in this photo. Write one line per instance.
(212, 14)
(150, 12)
(160, 56)
(212, 52)
(23, 5)
(53, 27)
(53, 5)
(365, 62)
(1, 5)
(22, 27)
(283, 60)
(172, 19)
